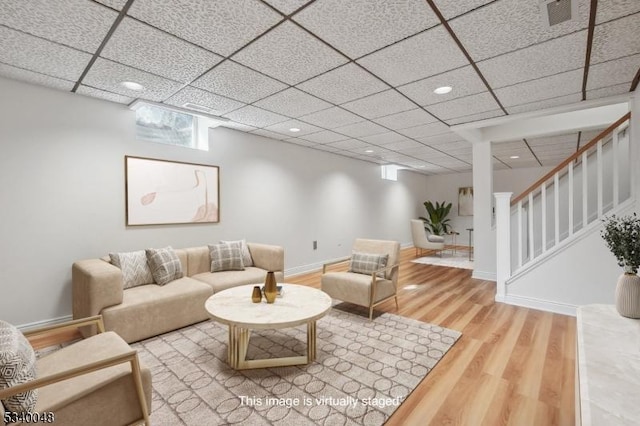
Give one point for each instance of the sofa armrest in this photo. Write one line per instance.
(268, 257)
(96, 285)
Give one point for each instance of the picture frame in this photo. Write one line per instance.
(465, 201)
(164, 192)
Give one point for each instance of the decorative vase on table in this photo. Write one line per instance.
(270, 289)
(628, 295)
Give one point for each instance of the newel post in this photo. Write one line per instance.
(503, 242)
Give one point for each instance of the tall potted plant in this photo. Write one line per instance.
(437, 222)
(622, 235)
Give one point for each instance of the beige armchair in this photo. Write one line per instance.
(420, 241)
(95, 381)
(365, 289)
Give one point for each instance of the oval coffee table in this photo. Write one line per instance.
(298, 305)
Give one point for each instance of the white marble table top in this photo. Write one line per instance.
(298, 305)
(609, 366)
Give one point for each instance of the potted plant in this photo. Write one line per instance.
(622, 235)
(437, 222)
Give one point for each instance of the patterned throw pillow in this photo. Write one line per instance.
(17, 365)
(368, 263)
(134, 266)
(246, 254)
(165, 265)
(226, 257)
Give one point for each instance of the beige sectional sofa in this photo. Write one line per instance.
(140, 312)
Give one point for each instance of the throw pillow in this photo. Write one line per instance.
(435, 238)
(368, 263)
(165, 265)
(134, 266)
(17, 365)
(246, 254)
(226, 257)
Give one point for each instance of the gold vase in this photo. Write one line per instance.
(270, 291)
(256, 295)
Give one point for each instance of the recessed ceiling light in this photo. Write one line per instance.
(513, 157)
(132, 85)
(369, 151)
(421, 166)
(443, 90)
(294, 129)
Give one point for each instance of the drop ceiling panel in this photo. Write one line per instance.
(614, 72)
(349, 144)
(285, 126)
(475, 117)
(616, 39)
(474, 104)
(605, 92)
(425, 130)
(521, 164)
(508, 25)
(455, 145)
(327, 148)
(403, 145)
(358, 27)
(108, 75)
(33, 77)
(331, 118)
(223, 26)
(292, 103)
(301, 142)
(380, 104)
(238, 126)
(547, 103)
(451, 9)
(385, 138)
(425, 152)
(114, 4)
(287, 6)
(439, 139)
(77, 23)
(325, 136)
(343, 84)
(218, 104)
(552, 57)
(412, 59)
(464, 81)
(570, 138)
(401, 120)
(271, 135)
(102, 94)
(289, 54)
(544, 88)
(363, 128)
(32, 53)
(612, 9)
(141, 46)
(238, 82)
(256, 117)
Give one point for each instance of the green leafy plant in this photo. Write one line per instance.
(437, 221)
(622, 235)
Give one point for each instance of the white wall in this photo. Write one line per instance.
(62, 192)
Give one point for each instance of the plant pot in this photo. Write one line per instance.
(628, 295)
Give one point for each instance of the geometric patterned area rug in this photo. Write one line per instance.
(363, 372)
(450, 260)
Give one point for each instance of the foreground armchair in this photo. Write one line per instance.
(95, 381)
(372, 277)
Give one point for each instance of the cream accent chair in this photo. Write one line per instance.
(420, 241)
(362, 289)
(96, 381)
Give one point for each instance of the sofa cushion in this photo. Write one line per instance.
(134, 267)
(368, 263)
(165, 265)
(435, 238)
(246, 254)
(223, 280)
(17, 366)
(226, 257)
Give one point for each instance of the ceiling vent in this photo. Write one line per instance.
(196, 107)
(555, 12)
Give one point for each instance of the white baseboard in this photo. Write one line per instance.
(45, 323)
(483, 275)
(540, 304)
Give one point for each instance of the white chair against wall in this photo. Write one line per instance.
(420, 240)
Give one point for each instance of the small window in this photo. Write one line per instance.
(390, 171)
(157, 124)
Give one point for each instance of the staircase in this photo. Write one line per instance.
(548, 235)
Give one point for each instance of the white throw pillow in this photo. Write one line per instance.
(17, 366)
(134, 266)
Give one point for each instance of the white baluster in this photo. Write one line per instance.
(519, 233)
(599, 167)
(532, 254)
(556, 207)
(570, 170)
(616, 171)
(543, 199)
(585, 213)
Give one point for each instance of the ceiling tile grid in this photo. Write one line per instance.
(401, 120)
(292, 103)
(285, 127)
(612, 9)
(474, 104)
(616, 39)
(605, 92)
(547, 103)
(451, 9)
(384, 138)
(331, 118)
(254, 116)
(544, 88)
(287, 6)
(300, 142)
(361, 129)
(380, 104)
(475, 117)
(463, 81)
(114, 4)
(425, 130)
(614, 72)
(103, 94)
(325, 136)
(219, 105)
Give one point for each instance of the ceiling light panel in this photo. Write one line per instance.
(361, 129)
(544, 88)
(289, 54)
(207, 23)
(380, 104)
(34, 77)
(79, 24)
(464, 81)
(402, 120)
(286, 126)
(412, 59)
(103, 94)
(217, 104)
(293, 103)
(141, 46)
(24, 51)
(616, 39)
(331, 118)
(358, 27)
(108, 75)
(256, 117)
(614, 72)
(508, 25)
(548, 58)
(474, 104)
(238, 82)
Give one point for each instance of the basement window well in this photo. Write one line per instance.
(157, 124)
(390, 171)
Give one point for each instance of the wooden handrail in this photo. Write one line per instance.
(575, 155)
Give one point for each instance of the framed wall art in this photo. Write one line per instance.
(161, 192)
(465, 201)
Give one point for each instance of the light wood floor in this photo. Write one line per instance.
(512, 365)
